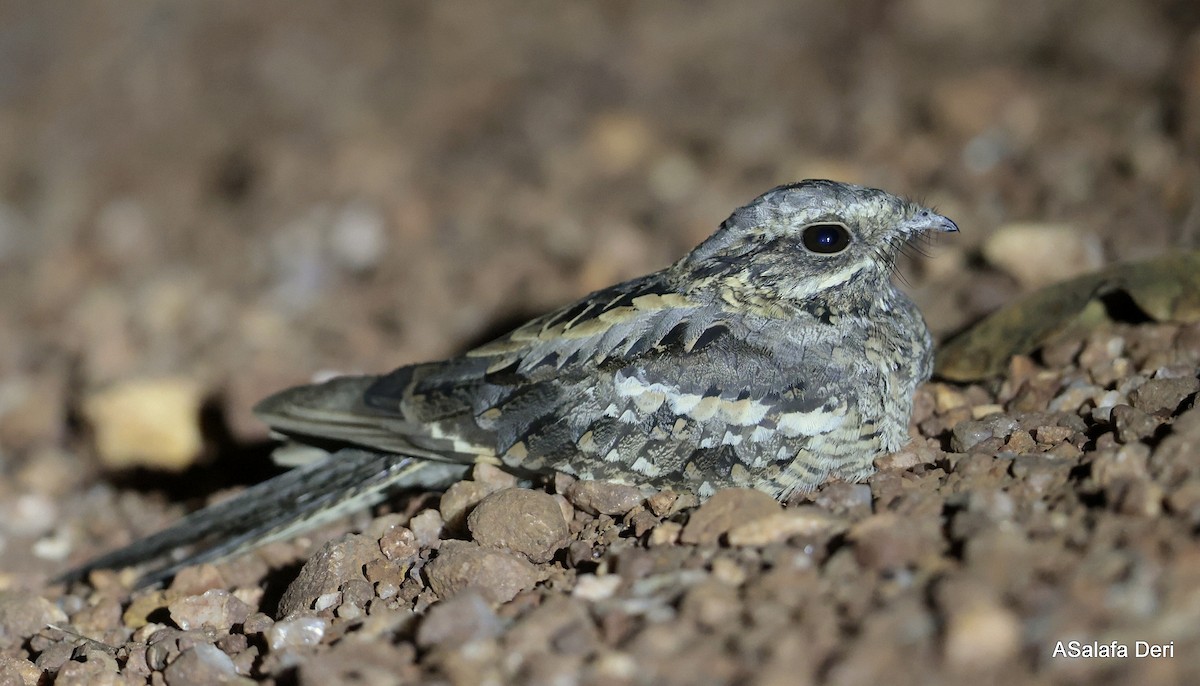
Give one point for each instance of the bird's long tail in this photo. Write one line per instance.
(295, 501)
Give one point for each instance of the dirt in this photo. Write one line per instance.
(221, 200)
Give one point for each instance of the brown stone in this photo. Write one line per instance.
(497, 574)
(601, 497)
(526, 522)
(324, 573)
(726, 510)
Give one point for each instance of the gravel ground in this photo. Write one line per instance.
(1057, 505)
(202, 204)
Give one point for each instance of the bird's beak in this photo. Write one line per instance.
(927, 220)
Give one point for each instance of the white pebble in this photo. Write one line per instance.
(592, 587)
(1039, 254)
(295, 632)
(358, 237)
(326, 601)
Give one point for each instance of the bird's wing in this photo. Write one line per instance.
(478, 406)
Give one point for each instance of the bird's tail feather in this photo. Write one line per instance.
(295, 501)
(334, 411)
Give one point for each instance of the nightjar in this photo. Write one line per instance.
(775, 355)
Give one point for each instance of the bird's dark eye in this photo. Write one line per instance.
(826, 238)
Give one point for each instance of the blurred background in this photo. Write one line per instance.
(205, 202)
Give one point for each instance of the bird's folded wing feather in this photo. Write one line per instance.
(479, 405)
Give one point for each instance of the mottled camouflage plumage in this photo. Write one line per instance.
(753, 361)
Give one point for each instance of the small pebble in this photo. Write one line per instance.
(96, 667)
(497, 574)
(147, 423)
(459, 500)
(667, 533)
(1038, 254)
(981, 411)
(725, 511)
(1052, 435)
(967, 435)
(526, 522)
(1163, 396)
(1020, 442)
(214, 609)
(296, 632)
(780, 526)
(427, 526)
(1132, 424)
(594, 588)
(601, 497)
(887, 541)
(324, 573)
(201, 665)
(983, 636)
(22, 615)
(467, 616)
(18, 672)
(399, 544)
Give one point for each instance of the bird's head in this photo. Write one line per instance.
(797, 241)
